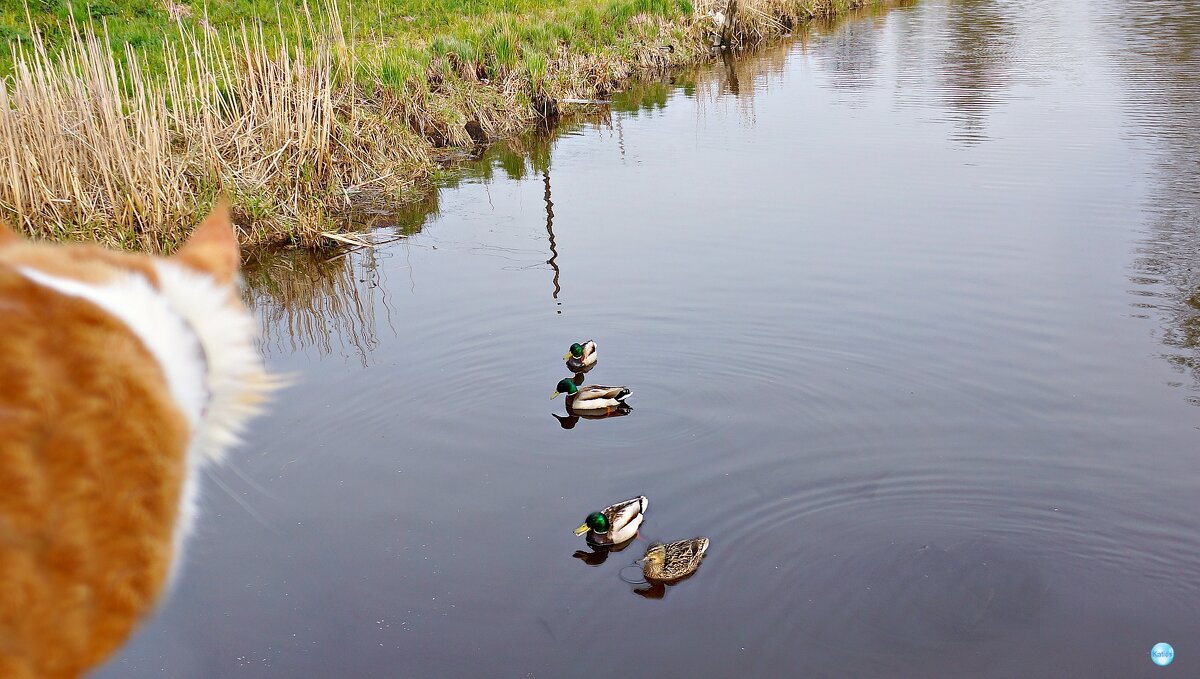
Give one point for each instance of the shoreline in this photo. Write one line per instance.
(129, 151)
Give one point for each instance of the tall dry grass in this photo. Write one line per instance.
(91, 147)
(298, 125)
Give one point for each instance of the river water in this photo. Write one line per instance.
(910, 307)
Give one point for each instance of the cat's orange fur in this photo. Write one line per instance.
(95, 452)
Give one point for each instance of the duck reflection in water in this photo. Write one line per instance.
(595, 555)
(572, 417)
(657, 589)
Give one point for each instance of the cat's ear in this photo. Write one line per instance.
(213, 247)
(7, 235)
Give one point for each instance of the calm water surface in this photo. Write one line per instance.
(910, 309)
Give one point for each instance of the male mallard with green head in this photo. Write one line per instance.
(590, 397)
(582, 357)
(616, 523)
(674, 560)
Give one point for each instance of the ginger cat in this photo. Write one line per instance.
(121, 376)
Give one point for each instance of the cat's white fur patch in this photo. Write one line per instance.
(237, 380)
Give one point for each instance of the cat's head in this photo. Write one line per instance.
(196, 289)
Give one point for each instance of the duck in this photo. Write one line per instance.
(581, 357)
(615, 524)
(590, 397)
(674, 560)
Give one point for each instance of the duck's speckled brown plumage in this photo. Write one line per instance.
(673, 560)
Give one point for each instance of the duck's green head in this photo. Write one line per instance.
(595, 521)
(565, 386)
(576, 351)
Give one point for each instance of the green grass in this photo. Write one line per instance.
(405, 35)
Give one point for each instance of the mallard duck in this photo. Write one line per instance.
(590, 397)
(582, 357)
(674, 560)
(616, 523)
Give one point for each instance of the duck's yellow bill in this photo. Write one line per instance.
(554, 395)
(582, 529)
(566, 356)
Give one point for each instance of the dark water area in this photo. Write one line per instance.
(910, 306)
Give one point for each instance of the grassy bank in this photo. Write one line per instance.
(120, 121)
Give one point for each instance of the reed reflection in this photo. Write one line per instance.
(735, 81)
(1161, 75)
(966, 46)
(550, 232)
(851, 52)
(327, 300)
(976, 64)
(319, 300)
